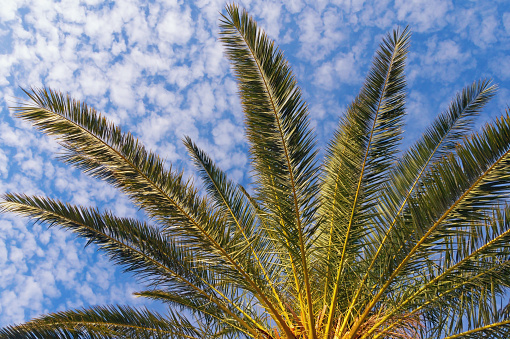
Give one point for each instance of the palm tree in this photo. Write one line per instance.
(372, 243)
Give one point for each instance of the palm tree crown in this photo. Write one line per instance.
(371, 243)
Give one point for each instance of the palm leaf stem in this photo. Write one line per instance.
(410, 191)
(72, 324)
(294, 270)
(422, 240)
(160, 296)
(237, 307)
(332, 307)
(330, 241)
(479, 329)
(207, 168)
(260, 295)
(294, 193)
(437, 297)
(439, 277)
(25, 208)
(260, 212)
(103, 322)
(293, 265)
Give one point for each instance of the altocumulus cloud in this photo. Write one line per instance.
(156, 68)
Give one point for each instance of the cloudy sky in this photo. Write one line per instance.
(157, 69)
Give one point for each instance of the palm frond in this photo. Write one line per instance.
(102, 150)
(249, 236)
(139, 247)
(358, 160)
(281, 142)
(457, 189)
(209, 312)
(467, 268)
(98, 147)
(499, 330)
(437, 141)
(104, 322)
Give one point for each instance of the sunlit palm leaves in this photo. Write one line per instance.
(376, 243)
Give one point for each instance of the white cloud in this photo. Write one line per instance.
(9, 9)
(153, 128)
(485, 33)
(294, 6)
(4, 163)
(92, 80)
(176, 27)
(447, 50)
(15, 255)
(320, 33)
(213, 58)
(342, 70)
(423, 15)
(501, 67)
(70, 9)
(202, 101)
(506, 22)
(227, 135)
(33, 167)
(270, 16)
(444, 60)
(376, 13)
(13, 137)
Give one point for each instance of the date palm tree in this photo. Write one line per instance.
(372, 242)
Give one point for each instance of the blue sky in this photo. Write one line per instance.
(157, 69)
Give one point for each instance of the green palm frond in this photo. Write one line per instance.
(439, 139)
(99, 148)
(281, 142)
(357, 163)
(229, 198)
(468, 268)
(104, 322)
(209, 312)
(249, 236)
(458, 187)
(496, 330)
(138, 247)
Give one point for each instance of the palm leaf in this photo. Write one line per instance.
(207, 311)
(98, 147)
(452, 194)
(358, 159)
(234, 202)
(496, 330)
(104, 322)
(281, 142)
(485, 261)
(438, 140)
(139, 247)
